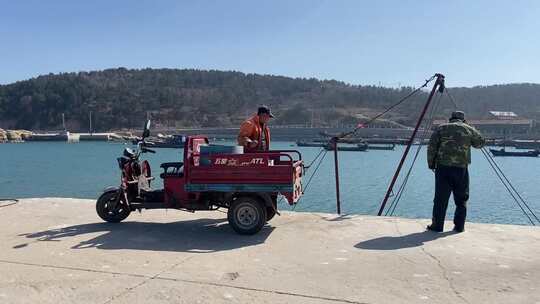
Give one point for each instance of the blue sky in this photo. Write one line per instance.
(389, 43)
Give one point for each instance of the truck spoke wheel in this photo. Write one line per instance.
(105, 212)
(247, 215)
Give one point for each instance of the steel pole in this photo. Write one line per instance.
(438, 83)
(336, 166)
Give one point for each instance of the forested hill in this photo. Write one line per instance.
(123, 98)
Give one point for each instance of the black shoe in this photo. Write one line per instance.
(458, 230)
(431, 228)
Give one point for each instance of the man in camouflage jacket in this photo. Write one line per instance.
(449, 154)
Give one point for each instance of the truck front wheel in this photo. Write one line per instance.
(105, 212)
(247, 215)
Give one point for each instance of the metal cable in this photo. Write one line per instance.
(311, 178)
(511, 185)
(497, 173)
(490, 160)
(517, 193)
(427, 127)
(359, 127)
(388, 109)
(429, 122)
(342, 135)
(307, 167)
(451, 98)
(313, 161)
(502, 177)
(496, 168)
(315, 171)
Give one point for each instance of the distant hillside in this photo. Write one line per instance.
(122, 98)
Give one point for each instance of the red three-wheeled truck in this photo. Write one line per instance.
(208, 178)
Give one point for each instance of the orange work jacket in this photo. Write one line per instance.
(253, 130)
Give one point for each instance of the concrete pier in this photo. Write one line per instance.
(59, 251)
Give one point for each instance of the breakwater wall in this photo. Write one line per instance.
(293, 134)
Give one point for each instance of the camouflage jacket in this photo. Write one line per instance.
(450, 144)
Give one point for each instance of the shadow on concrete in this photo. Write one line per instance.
(400, 242)
(338, 218)
(201, 235)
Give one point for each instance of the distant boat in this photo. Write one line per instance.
(342, 140)
(381, 147)
(359, 147)
(100, 137)
(61, 136)
(301, 143)
(503, 152)
(164, 141)
(526, 144)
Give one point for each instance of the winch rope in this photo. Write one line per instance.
(514, 189)
(304, 189)
(362, 125)
(510, 185)
(505, 181)
(451, 98)
(315, 159)
(403, 99)
(427, 127)
(313, 173)
(490, 161)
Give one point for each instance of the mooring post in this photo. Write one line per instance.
(336, 166)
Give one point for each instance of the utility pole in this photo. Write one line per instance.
(334, 142)
(63, 122)
(90, 119)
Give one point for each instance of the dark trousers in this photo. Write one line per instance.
(450, 180)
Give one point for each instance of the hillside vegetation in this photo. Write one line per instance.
(123, 98)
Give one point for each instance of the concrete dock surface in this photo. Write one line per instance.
(58, 251)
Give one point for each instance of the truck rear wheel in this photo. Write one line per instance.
(270, 213)
(247, 215)
(103, 209)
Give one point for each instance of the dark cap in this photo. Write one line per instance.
(264, 110)
(458, 115)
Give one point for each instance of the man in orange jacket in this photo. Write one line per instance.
(254, 133)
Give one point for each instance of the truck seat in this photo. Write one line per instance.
(175, 169)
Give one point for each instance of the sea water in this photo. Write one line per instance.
(82, 170)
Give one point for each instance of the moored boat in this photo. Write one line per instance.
(526, 144)
(359, 147)
(301, 143)
(166, 141)
(60, 136)
(503, 152)
(381, 147)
